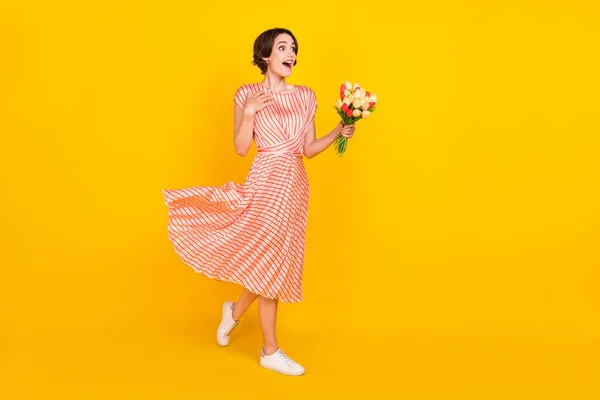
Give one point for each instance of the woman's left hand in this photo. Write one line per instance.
(348, 131)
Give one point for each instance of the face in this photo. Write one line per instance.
(283, 55)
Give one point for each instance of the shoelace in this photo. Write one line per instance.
(228, 331)
(286, 359)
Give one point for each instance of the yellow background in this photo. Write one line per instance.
(453, 253)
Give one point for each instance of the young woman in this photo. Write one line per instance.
(253, 233)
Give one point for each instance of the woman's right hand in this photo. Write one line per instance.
(257, 102)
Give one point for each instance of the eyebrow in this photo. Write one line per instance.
(283, 41)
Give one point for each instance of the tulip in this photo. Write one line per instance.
(355, 103)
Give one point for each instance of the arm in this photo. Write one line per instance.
(243, 129)
(314, 146)
(243, 121)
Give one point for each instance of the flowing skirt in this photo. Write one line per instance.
(252, 233)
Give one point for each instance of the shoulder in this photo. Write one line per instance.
(307, 92)
(247, 89)
(242, 93)
(243, 88)
(305, 89)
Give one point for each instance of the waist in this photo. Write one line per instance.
(297, 154)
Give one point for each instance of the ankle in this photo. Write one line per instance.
(271, 349)
(235, 317)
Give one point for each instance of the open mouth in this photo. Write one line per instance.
(288, 64)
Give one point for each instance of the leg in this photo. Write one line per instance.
(267, 313)
(245, 301)
(272, 356)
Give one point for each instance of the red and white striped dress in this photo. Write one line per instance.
(253, 233)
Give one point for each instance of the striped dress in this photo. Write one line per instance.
(253, 233)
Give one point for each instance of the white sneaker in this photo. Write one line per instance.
(227, 324)
(280, 362)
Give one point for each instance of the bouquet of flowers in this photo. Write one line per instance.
(355, 103)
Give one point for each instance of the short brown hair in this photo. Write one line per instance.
(263, 45)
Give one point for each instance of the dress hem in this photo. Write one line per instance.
(242, 284)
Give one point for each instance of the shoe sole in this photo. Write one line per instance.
(282, 372)
(222, 317)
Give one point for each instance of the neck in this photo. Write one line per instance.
(274, 82)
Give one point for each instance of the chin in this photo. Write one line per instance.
(286, 73)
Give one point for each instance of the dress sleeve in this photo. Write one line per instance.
(312, 104)
(240, 96)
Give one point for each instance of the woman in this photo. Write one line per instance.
(253, 233)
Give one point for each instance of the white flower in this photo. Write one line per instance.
(365, 113)
(356, 85)
(339, 103)
(356, 113)
(347, 101)
(356, 103)
(348, 85)
(365, 106)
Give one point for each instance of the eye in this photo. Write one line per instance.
(283, 47)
